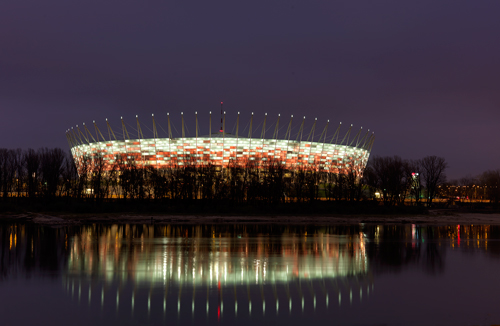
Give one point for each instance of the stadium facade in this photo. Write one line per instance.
(334, 153)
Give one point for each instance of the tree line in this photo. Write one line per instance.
(30, 173)
(395, 179)
(398, 180)
(483, 187)
(50, 173)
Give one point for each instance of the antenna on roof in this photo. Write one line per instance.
(221, 127)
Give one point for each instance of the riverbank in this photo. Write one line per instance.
(71, 206)
(434, 217)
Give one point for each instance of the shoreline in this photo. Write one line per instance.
(435, 217)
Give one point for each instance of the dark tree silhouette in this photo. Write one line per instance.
(491, 181)
(391, 176)
(433, 174)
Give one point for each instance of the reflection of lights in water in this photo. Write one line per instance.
(340, 298)
(336, 260)
(339, 256)
(239, 265)
(164, 267)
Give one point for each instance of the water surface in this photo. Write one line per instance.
(363, 274)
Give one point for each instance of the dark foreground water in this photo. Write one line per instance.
(249, 274)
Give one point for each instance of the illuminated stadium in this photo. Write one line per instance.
(294, 148)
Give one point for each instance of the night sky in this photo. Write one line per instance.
(423, 75)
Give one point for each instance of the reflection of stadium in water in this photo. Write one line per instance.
(148, 271)
(177, 263)
(197, 255)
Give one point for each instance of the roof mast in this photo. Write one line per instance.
(221, 115)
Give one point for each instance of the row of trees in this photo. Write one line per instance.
(267, 181)
(50, 173)
(485, 186)
(396, 179)
(32, 173)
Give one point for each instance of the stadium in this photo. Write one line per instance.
(295, 149)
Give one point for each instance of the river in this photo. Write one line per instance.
(142, 274)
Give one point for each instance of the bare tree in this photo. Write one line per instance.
(299, 183)
(99, 177)
(8, 170)
(354, 185)
(51, 165)
(468, 184)
(391, 176)
(84, 166)
(3, 170)
(32, 162)
(491, 183)
(433, 174)
(19, 170)
(70, 178)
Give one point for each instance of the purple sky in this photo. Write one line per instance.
(424, 75)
